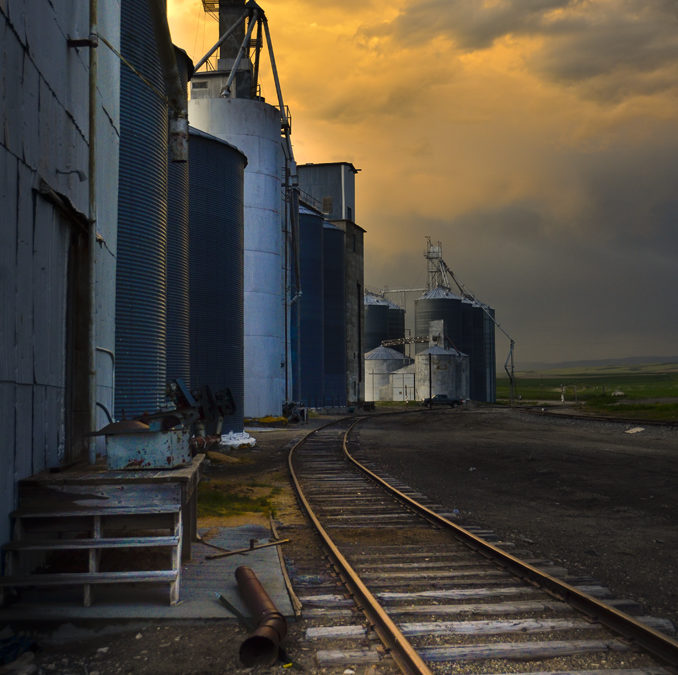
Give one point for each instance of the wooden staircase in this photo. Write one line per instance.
(75, 533)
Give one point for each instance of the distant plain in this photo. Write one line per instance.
(641, 391)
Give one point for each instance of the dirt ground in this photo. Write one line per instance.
(586, 495)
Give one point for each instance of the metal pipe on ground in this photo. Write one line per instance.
(263, 646)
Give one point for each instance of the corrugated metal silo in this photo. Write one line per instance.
(216, 268)
(142, 221)
(376, 321)
(178, 342)
(489, 356)
(465, 344)
(307, 313)
(471, 344)
(434, 305)
(253, 126)
(334, 312)
(396, 325)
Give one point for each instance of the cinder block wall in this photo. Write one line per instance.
(44, 186)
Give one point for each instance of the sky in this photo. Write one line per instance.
(537, 140)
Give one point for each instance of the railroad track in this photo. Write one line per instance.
(440, 597)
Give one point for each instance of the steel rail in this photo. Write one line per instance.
(535, 410)
(395, 642)
(658, 644)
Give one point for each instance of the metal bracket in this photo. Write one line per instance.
(91, 41)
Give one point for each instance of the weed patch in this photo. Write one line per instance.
(218, 499)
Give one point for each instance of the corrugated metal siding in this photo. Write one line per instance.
(307, 314)
(473, 333)
(140, 376)
(396, 325)
(447, 307)
(178, 342)
(216, 179)
(376, 325)
(334, 312)
(489, 356)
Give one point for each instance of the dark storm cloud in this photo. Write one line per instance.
(473, 25)
(610, 48)
(596, 279)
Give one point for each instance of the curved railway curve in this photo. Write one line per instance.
(443, 599)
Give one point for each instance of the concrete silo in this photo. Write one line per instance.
(379, 364)
(235, 113)
(442, 371)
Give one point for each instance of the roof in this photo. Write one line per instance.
(409, 368)
(329, 226)
(299, 166)
(309, 210)
(192, 131)
(372, 299)
(439, 351)
(439, 293)
(382, 353)
(339, 221)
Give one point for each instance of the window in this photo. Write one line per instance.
(327, 204)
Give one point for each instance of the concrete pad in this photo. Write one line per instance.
(201, 580)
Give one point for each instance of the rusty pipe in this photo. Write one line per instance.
(262, 647)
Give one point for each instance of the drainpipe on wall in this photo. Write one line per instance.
(178, 119)
(92, 241)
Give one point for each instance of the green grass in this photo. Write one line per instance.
(645, 392)
(397, 404)
(216, 499)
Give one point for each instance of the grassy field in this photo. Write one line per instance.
(643, 391)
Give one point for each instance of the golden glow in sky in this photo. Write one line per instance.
(537, 140)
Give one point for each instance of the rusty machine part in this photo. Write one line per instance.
(262, 648)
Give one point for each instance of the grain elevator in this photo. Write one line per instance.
(225, 103)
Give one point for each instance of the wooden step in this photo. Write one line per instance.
(78, 578)
(79, 544)
(97, 511)
(89, 579)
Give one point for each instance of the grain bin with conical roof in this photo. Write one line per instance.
(435, 305)
(376, 321)
(396, 325)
